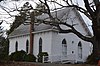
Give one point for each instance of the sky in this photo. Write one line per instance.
(12, 5)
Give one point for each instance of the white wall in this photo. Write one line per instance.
(57, 39)
(21, 43)
(72, 45)
(73, 18)
(56, 46)
(46, 42)
(52, 41)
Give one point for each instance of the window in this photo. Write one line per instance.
(16, 46)
(64, 41)
(40, 45)
(27, 46)
(80, 50)
(64, 47)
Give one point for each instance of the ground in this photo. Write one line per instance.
(40, 64)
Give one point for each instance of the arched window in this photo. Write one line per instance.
(40, 45)
(64, 47)
(64, 41)
(27, 46)
(16, 46)
(80, 50)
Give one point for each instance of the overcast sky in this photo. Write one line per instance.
(12, 4)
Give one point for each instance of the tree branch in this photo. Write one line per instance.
(82, 10)
(88, 8)
(73, 30)
(5, 10)
(48, 9)
(96, 2)
(57, 22)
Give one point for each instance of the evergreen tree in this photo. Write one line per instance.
(20, 19)
(4, 48)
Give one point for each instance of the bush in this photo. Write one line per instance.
(22, 56)
(18, 56)
(4, 49)
(3, 57)
(30, 58)
(40, 56)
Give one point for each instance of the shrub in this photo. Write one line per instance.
(4, 48)
(22, 56)
(40, 56)
(30, 58)
(18, 56)
(4, 57)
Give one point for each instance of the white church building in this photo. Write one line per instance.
(59, 46)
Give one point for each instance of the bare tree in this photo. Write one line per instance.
(91, 10)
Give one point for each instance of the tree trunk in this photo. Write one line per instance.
(96, 47)
(96, 40)
(96, 52)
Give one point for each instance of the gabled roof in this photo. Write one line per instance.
(61, 14)
(56, 14)
(83, 23)
(24, 29)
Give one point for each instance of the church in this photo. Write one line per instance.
(46, 38)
